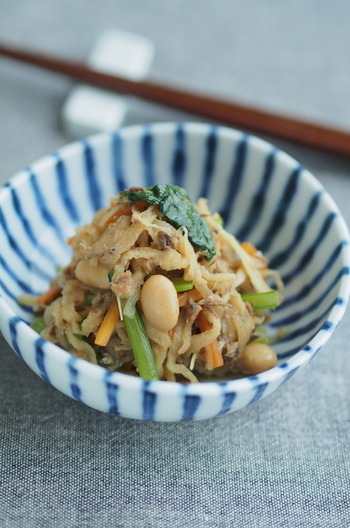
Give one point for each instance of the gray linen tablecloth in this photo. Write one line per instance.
(281, 462)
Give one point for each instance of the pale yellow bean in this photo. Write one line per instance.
(159, 302)
(256, 358)
(94, 276)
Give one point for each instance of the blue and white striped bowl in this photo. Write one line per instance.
(263, 194)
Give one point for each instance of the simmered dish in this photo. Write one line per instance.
(157, 288)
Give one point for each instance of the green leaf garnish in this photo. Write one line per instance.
(177, 207)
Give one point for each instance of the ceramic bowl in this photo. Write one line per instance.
(264, 196)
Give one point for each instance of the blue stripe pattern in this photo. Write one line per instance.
(280, 258)
(317, 279)
(209, 162)
(13, 322)
(63, 190)
(47, 215)
(312, 326)
(190, 406)
(117, 163)
(280, 214)
(278, 206)
(6, 292)
(112, 393)
(19, 252)
(294, 350)
(94, 189)
(228, 400)
(296, 316)
(149, 402)
(289, 375)
(235, 179)
(21, 284)
(257, 205)
(40, 358)
(28, 227)
(311, 251)
(258, 391)
(74, 378)
(148, 157)
(179, 159)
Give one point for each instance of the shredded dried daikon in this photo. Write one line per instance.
(133, 242)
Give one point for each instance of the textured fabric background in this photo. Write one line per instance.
(283, 462)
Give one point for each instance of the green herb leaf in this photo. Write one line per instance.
(177, 207)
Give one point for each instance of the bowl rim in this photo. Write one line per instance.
(273, 375)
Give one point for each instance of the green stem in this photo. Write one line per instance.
(38, 324)
(182, 285)
(263, 301)
(141, 346)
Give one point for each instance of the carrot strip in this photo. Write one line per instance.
(212, 353)
(194, 295)
(70, 240)
(249, 248)
(126, 211)
(108, 324)
(202, 322)
(49, 295)
(261, 262)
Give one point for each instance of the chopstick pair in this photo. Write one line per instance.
(309, 134)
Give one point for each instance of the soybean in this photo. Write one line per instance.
(256, 358)
(94, 276)
(159, 302)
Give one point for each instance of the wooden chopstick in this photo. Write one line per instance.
(310, 134)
